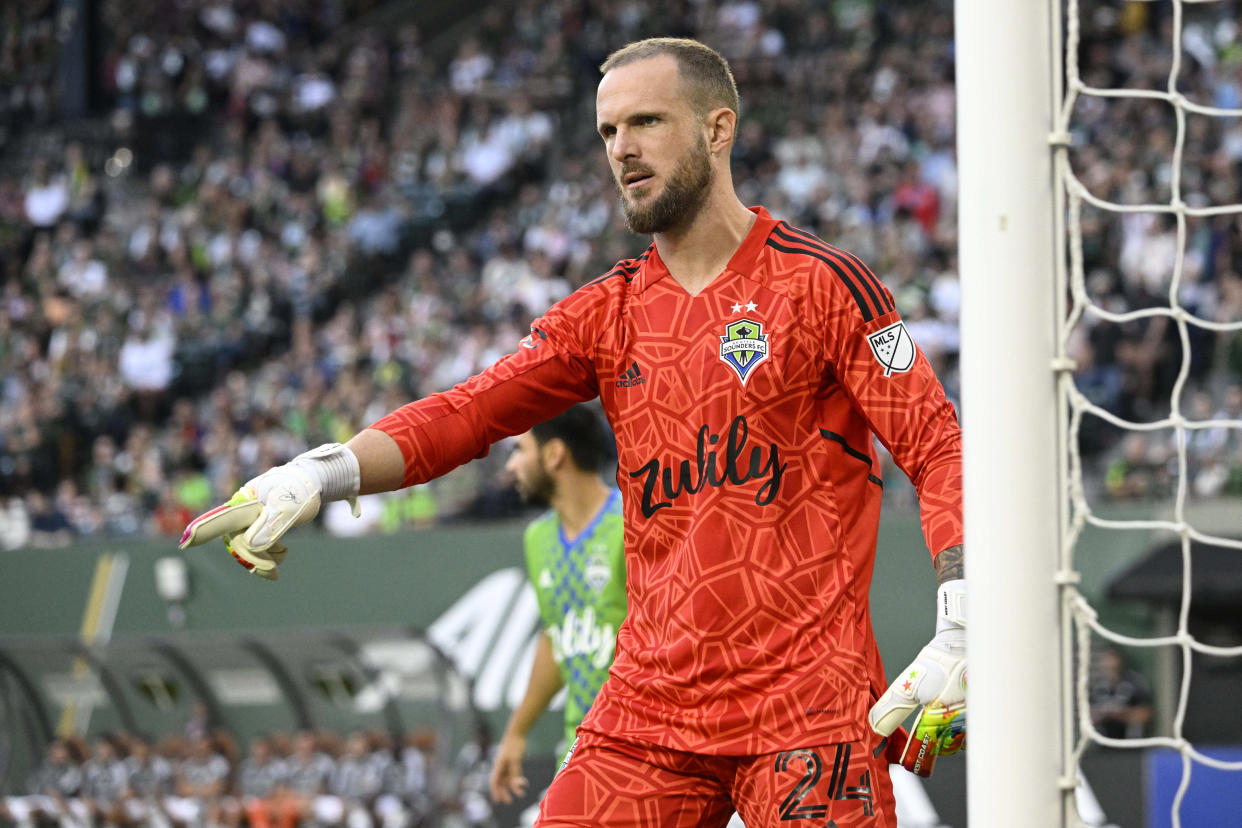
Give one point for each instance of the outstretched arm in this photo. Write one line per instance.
(415, 443)
(380, 462)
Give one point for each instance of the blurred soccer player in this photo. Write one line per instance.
(745, 367)
(575, 555)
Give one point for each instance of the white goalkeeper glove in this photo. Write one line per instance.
(934, 681)
(261, 511)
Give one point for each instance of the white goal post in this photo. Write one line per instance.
(1024, 295)
(1007, 83)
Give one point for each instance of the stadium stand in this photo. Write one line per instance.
(367, 217)
(359, 780)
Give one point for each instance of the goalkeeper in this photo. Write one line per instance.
(575, 555)
(747, 369)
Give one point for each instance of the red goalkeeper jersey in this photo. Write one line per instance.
(744, 418)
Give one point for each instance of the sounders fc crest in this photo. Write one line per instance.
(743, 346)
(597, 572)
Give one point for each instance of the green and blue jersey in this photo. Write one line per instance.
(580, 587)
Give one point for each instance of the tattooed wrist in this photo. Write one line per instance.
(950, 564)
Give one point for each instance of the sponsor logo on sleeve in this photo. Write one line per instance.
(531, 341)
(893, 348)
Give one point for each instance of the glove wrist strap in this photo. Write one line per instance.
(336, 469)
(951, 604)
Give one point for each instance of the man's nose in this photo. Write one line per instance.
(624, 146)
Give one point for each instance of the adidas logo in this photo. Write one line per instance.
(633, 376)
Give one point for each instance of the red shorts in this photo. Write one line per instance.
(609, 782)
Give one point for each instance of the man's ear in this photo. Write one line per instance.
(721, 129)
(553, 453)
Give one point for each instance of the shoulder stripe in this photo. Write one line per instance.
(859, 298)
(623, 269)
(616, 271)
(869, 279)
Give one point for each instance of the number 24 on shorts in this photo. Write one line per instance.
(795, 806)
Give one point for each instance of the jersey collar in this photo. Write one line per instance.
(612, 503)
(742, 261)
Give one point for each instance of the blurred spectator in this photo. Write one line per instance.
(148, 781)
(49, 528)
(83, 275)
(14, 523)
(473, 770)
(405, 790)
(1119, 697)
(146, 366)
(258, 776)
(47, 196)
(307, 770)
(355, 782)
(201, 782)
(103, 782)
(51, 791)
(171, 514)
(1137, 474)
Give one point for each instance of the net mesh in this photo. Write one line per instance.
(1085, 308)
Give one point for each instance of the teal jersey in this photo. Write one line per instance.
(580, 587)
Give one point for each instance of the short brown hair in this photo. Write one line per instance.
(705, 73)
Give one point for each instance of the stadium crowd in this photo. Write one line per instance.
(297, 218)
(283, 780)
(28, 60)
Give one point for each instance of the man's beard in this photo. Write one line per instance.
(539, 489)
(683, 197)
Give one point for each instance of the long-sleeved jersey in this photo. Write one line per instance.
(744, 418)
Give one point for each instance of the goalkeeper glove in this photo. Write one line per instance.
(934, 681)
(261, 511)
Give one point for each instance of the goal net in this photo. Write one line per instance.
(1158, 288)
(1100, 146)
